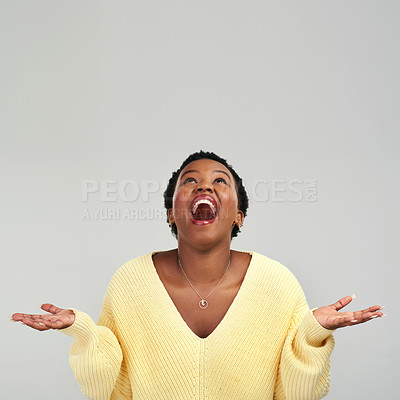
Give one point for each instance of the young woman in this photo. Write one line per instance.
(203, 321)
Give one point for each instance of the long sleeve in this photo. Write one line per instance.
(268, 345)
(305, 360)
(96, 357)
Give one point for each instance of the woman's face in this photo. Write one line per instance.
(205, 203)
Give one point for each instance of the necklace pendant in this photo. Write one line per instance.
(203, 304)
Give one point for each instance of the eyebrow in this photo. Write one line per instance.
(195, 170)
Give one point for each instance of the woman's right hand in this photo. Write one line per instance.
(57, 319)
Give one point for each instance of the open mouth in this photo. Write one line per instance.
(204, 209)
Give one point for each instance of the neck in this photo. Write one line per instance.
(204, 267)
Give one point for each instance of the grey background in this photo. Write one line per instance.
(127, 89)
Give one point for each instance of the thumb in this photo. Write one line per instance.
(50, 308)
(343, 302)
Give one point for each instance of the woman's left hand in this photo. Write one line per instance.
(330, 318)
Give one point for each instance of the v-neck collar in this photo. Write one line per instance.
(159, 285)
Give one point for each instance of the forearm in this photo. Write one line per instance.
(305, 362)
(95, 357)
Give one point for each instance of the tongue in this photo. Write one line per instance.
(203, 213)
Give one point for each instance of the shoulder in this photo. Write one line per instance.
(272, 267)
(274, 274)
(132, 271)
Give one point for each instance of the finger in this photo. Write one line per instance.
(363, 316)
(15, 316)
(343, 321)
(35, 324)
(20, 316)
(54, 323)
(36, 317)
(360, 316)
(50, 308)
(343, 302)
(373, 308)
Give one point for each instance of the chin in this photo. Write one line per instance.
(202, 235)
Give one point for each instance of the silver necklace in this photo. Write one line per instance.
(203, 303)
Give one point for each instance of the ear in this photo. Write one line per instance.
(171, 217)
(239, 218)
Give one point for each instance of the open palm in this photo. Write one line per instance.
(330, 317)
(57, 319)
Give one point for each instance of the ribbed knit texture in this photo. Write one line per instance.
(268, 345)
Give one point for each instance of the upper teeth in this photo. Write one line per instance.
(203, 201)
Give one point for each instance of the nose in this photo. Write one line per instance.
(204, 186)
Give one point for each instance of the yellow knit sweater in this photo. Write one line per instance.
(268, 345)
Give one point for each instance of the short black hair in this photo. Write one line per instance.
(243, 199)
